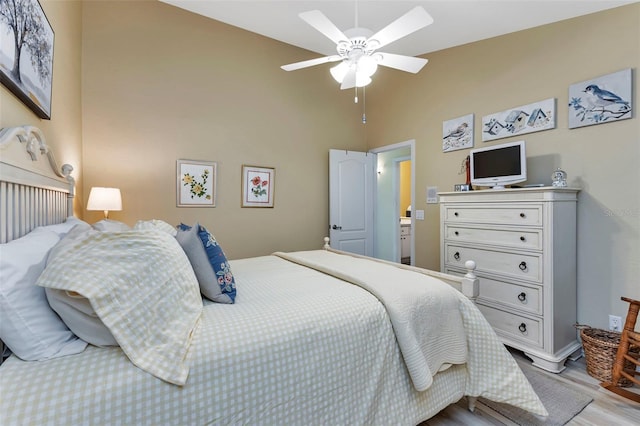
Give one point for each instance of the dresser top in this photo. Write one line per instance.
(540, 193)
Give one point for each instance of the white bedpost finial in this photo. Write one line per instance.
(471, 266)
(326, 243)
(470, 283)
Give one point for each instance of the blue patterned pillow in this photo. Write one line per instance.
(216, 260)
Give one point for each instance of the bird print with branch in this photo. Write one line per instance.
(600, 100)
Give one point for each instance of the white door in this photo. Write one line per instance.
(351, 190)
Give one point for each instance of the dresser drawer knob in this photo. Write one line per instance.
(522, 327)
(455, 214)
(522, 238)
(522, 215)
(523, 266)
(522, 297)
(456, 255)
(456, 233)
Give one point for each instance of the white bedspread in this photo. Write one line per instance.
(424, 311)
(297, 348)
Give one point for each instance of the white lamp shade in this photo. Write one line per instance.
(104, 199)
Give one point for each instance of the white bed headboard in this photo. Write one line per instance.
(34, 190)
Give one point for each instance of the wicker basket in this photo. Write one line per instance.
(600, 347)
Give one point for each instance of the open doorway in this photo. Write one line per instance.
(393, 227)
(404, 202)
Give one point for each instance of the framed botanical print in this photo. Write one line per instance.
(258, 186)
(196, 183)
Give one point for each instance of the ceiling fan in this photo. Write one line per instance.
(357, 47)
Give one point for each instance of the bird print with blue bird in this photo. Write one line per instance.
(601, 100)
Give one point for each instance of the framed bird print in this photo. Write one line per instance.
(523, 119)
(457, 133)
(601, 99)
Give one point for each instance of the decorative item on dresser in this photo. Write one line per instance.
(524, 244)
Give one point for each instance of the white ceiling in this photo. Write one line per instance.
(456, 22)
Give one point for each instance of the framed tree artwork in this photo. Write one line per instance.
(196, 183)
(258, 186)
(26, 54)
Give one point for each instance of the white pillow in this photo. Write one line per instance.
(156, 224)
(61, 229)
(28, 325)
(108, 225)
(74, 309)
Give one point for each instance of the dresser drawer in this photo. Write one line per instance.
(515, 296)
(514, 327)
(513, 214)
(518, 238)
(509, 264)
(524, 298)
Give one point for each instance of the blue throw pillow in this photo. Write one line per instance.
(217, 261)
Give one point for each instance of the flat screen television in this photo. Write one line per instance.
(498, 165)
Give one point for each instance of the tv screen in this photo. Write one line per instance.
(498, 165)
(498, 162)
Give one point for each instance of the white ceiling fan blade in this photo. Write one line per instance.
(311, 62)
(349, 80)
(320, 22)
(401, 62)
(410, 22)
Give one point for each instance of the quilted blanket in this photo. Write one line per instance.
(412, 301)
(141, 285)
(491, 369)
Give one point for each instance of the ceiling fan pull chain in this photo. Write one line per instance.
(364, 105)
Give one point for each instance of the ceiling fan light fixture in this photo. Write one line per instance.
(339, 71)
(363, 77)
(367, 65)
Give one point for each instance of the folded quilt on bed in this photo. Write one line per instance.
(412, 301)
(141, 285)
(461, 334)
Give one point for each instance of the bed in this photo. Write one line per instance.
(314, 337)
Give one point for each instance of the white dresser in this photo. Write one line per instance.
(524, 244)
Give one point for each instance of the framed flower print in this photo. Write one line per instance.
(258, 186)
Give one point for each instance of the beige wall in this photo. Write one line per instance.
(520, 68)
(161, 84)
(64, 130)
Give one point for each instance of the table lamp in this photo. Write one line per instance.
(105, 199)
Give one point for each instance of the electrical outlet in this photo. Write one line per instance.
(615, 323)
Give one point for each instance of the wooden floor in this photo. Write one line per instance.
(605, 410)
